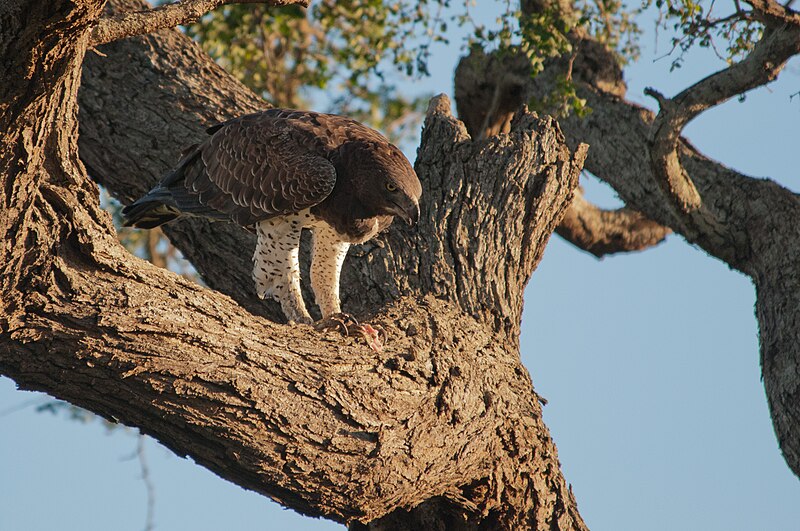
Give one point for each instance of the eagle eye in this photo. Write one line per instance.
(391, 187)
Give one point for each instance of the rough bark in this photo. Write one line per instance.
(754, 228)
(762, 65)
(442, 428)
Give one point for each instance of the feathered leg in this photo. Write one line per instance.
(328, 254)
(276, 268)
(327, 258)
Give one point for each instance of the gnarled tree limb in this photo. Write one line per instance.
(755, 220)
(758, 236)
(602, 232)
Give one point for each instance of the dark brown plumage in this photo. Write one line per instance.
(283, 170)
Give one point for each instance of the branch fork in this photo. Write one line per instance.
(776, 46)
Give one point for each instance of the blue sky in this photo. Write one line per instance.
(649, 362)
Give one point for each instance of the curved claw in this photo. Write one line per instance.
(347, 325)
(340, 321)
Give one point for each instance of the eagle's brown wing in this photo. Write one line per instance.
(254, 167)
(257, 167)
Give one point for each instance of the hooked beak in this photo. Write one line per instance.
(409, 212)
(413, 218)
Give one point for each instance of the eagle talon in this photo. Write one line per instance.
(348, 326)
(340, 321)
(382, 336)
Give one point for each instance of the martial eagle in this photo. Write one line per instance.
(281, 171)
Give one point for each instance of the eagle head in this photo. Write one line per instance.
(394, 186)
(400, 195)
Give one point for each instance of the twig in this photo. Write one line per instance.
(148, 483)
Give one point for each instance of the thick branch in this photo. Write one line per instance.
(504, 81)
(603, 232)
(489, 89)
(127, 24)
(754, 218)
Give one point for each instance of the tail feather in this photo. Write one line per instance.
(171, 198)
(148, 212)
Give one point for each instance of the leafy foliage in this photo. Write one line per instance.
(612, 23)
(344, 52)
(541, 32)
(336, 52)
(695, 23)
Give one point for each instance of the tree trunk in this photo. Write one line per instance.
(440, 431)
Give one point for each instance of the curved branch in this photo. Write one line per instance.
(761, 66)
(138, 22)
(756, 238)
(602, 232)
